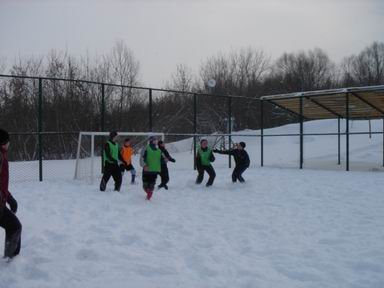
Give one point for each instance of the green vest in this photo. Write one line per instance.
(205, 156)
(114, 151)
(153, 159)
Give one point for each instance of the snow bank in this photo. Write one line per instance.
(284, 228)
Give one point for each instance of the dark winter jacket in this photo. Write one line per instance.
(165, 156)
(241, 156)
(4, 177)
(5, 195)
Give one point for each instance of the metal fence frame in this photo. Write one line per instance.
(195, 135)
(102, 85)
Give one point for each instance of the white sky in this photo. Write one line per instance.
(164, 33)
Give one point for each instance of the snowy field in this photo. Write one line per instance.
(284, 227)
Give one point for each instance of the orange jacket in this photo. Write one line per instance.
(126, 154)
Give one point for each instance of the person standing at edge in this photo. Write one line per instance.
(110, 161)
(241, 159)
(150, 160)
(165, 157)
(8, 218)
(204, 158)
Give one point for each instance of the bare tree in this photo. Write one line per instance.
(238, 73)
(176, 109)
(18, 102)
(367, 68)
(124, 71)
(125, 68)
(3, 64)
(304, 71)
(182, 79)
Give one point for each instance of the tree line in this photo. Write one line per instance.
(76, 106)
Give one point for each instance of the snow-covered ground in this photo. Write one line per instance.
(284, 228)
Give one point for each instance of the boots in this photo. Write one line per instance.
(149, 193)
(103, 185)
(12, 244)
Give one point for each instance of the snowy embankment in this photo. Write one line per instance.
(320, 152)
(284, 228)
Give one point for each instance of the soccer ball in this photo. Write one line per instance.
(211, 83)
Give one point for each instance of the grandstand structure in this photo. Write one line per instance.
(346, 103)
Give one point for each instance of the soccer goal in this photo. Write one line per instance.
(90, 149)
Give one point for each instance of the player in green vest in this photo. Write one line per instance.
(204, 158)
(150, 160)
(110, 163)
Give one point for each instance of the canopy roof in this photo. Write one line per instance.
(363, 102)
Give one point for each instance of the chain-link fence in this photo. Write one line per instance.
(45, 115)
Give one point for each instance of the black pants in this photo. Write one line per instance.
(12, 226)
(113, 170)
(128, 167)
(164, 174)
(149, 180)
(237, 172)
(200, 176)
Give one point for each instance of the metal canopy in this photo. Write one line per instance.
(364, 103)
(348, 103)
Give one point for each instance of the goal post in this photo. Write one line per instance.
(89, 149)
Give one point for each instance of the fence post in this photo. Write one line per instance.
(40, 128)
(301, 134)
(229, 129)
(338, 142)
(102, 120)
(150, 110)
(102, 123)
(194, 129)
(262, 133)
(347, 130)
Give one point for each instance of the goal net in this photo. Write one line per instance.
(90, 150)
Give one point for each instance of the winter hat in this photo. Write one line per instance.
(112, 134)
(242, 144)
(151, 139)
(4, 137)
